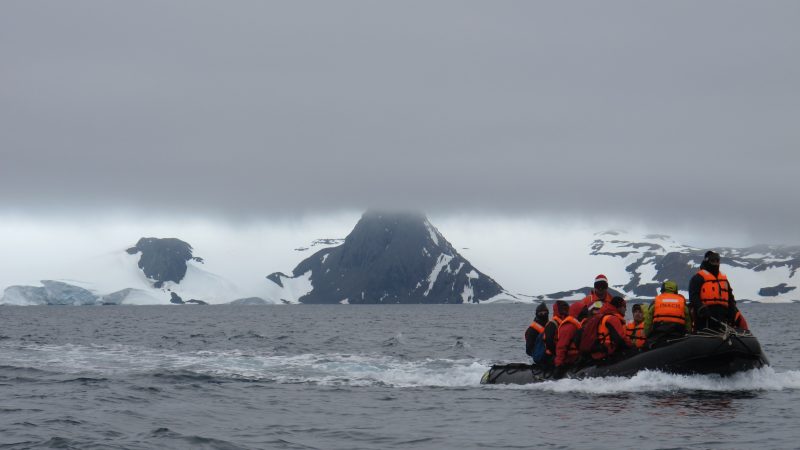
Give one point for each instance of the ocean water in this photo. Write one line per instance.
(358, 377)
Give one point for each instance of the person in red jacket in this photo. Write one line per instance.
(567, 353)
(611, 333)
(599, 293)
(550, 334)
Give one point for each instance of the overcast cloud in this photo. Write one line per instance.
(675, 112)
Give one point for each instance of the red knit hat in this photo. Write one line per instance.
(602, 280)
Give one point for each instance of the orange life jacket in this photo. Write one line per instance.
(636, 333)
(572, 350)
(715, 290)
(604, 337)
(740, 322)
(670, 308)
(536, 326)
(602, 331)
(557, 321)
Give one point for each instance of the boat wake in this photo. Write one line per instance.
(99, 361)
(322, 369)
(762, 379)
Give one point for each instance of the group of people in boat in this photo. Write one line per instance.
(594, 331)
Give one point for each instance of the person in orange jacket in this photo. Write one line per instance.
(611, 332)
(635, 328)
(669, 316)
(599, 293)
(711, 300)
(567, 353)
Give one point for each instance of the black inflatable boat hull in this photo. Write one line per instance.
(695, 354)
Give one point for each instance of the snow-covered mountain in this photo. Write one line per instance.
(392, 258)
(764, 273)
(145, 274)
(388, 258)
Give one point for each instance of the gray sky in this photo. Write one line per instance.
(677, 112)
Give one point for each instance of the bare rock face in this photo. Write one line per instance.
(774, 291)
(163, 260)
(392, 258)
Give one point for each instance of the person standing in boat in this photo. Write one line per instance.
(635, 328)
(711, 300)
(668, 316)
(536, 328)
(599, 293)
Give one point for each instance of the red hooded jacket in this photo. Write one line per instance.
(551, 331)
(566, 347)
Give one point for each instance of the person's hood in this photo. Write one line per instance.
(608, 308)
(555, 310)
(714, 269)
(575, 309)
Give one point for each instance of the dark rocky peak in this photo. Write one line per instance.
(391, 257)
(379, 234)
(164, 259)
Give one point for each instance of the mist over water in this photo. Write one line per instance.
(356, 377)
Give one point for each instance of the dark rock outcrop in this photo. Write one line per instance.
(175, 299)
(195, 301)
(163, 260)
(392, 258)
(277, 278)
(775, 291)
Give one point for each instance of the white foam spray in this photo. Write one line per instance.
(358, 370)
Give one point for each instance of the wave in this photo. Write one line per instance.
(763, 379)
(95, 363)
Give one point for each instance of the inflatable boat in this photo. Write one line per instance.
(723, 353)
